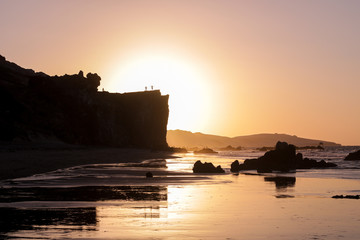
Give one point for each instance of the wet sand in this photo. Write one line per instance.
(245, 207)
(15, 163)
(177, 204)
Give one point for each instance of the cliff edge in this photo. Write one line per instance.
(69, 109)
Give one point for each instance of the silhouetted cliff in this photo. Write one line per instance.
(69, 108)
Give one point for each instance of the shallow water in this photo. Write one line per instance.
(116, 201)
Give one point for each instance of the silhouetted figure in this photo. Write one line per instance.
(152, 87)
(145, 88)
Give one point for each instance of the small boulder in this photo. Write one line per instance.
(283, 159)
(353, 156)
(347, 196)
(200, 167)
(235, 166)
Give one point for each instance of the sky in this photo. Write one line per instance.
(231, 68)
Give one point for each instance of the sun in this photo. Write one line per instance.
(186, 81)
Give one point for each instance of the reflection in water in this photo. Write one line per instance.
(124, 205)
(14, 219)
(87, 193)
(42, 213)
(281, 182)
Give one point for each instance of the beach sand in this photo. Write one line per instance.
(15, 163)
(175, 204)
(243, 207)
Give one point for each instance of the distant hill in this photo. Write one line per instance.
(180, 138)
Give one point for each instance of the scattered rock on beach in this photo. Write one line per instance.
(205, 150)
(307, 163)
(347, 196)
(283, 159)
(235, 166)
(353, 156)
(200, 167)
(231, 148)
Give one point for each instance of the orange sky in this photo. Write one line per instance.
(231, 67)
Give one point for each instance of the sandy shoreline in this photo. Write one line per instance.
(26, 162)
(118, 201)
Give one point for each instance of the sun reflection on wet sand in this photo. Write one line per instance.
(247, 208)
(244, 206)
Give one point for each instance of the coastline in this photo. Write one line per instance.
(111, 200)
(238, 206)
(16, 163)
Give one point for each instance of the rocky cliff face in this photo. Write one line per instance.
(69, 108)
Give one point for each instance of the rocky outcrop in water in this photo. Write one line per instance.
(231, 148)
(283, 159)
(346, 196)
(69, 109)
(205, 150)
(353, 156)
(200, 167)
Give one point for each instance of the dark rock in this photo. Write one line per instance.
(149, 175)
(283, 159)
(307, 163)
(231, 148)
(200, 167)
(264, 149)
(347, 196)
(235, 166)
(353, 156)
(206, 150)
(319, 147)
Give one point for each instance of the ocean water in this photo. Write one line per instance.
(116, 201)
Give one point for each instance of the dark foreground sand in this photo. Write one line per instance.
(15, 163)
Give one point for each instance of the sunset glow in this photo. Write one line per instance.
(187, 83)
(179, 119)
(233, 68)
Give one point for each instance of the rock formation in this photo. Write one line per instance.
(347, 196)
(231, 148)
(70, 109)
(353, 156)
(205, 150)
(200, 167)
(283, 159)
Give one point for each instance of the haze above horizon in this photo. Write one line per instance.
(231, 68)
